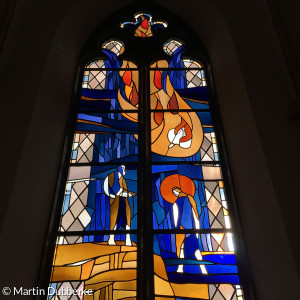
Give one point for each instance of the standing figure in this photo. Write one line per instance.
(180, 190)
(120, 212)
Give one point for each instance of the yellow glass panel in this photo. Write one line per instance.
(68, 254)
(191, 290)
(101, 260)
(66, 273)
(129, 265)
(121, 259)
(123, 294)
(160, 64)
(176, 135)
(108, 270)
(162, 287)
(113, 276)
(128, 285)
(128, 249)
(131, 80)
(97, 286)
(128, 63)
(168, 97)
(100, 268)
(159, 267)
(87, 269)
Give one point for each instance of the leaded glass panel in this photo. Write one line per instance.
(98, 240)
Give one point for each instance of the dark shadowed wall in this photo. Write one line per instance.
(255, 53)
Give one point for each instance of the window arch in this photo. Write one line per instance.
(144, 141)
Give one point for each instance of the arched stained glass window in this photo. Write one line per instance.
(145, 213)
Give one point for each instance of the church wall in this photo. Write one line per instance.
(255, 92)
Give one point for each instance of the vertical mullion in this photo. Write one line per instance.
(145, 241)
(148, 178)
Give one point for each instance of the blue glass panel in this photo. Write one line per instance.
(195, 264)
(105, 137)
(190, 95)
(107, 122)
(115, 147)
(102, 198)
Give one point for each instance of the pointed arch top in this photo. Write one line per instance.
(145, 163)
(165, 24)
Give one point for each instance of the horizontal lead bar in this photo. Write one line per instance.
(111, 69)
(214, 163)
(96, 232)
(175, 69)
(191, 231)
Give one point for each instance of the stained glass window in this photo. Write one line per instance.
(101, 237)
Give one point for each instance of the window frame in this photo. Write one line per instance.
(91, 51)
